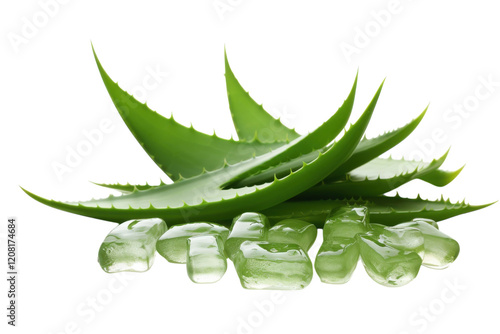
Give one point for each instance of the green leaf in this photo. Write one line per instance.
(250, 119)
(183, 152)
(440, 178)
(367, 150)
(179, 151)
(129, 188)
(383, 210)
(377, 177)
(202, 197)
(310, 143)
(356, 183)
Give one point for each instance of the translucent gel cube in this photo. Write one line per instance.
(428, 221)
(172, 244)
(248, 226)
(439, 249)
(206, 260)
(400, 237)
(336, 260)
(276, 266)
(346, 222)
(293, 231)
(387, 265)
(131, 245)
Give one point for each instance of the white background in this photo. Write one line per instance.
(288, 55)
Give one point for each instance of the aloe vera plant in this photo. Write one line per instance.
(283, 176)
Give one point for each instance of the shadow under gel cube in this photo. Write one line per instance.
(387, 265)
(248, 226)
(346, 222)
(206, 261)
(131, 245)
(293, 231)
(336, 260)
(172, 244)
(439, 249)
(275, 266)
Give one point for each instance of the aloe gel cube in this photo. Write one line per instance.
(336, 260)
(206, 260)
(172, 244)
(275, 266)
(293, 231)
(346, 222)
(387, 265)
(426, 220)
(131, 245)
(248, 226)
(400, 237)
(440, 250)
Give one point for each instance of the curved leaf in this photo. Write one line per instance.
(367, 150)
(376, 177)
(440, 178)
(250, 119)
(312, 142)
(202, 198)
(383, 210)
(129, 188)
(179, 151)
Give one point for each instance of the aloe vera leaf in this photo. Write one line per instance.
(250, 119)
(383, 210)
(201, 197)
(129, 188)
(367, 150)
(173, 157)
(377, 177)
(179, 151)
(162, 139)
(304, 144)
(440, 178)
(368, 184)
(184, 152)
(311, 142)
(344, 188)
